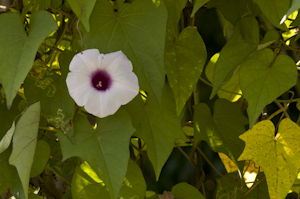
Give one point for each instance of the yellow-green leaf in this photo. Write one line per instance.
(277, 155)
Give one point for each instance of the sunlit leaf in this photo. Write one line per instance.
(18, 49)
(263, 79)
(105, 149)
(138, 29)
(231, 89)
(184, 62)
(240, 46)
(277, 155)
(221, 130)
(24, 143)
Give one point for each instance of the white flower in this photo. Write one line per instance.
(101, 83)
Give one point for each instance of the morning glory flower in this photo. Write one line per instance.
(101, 82)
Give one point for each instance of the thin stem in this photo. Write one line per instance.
(277, 112)
(284, 111)
(209, 84)
(287, 101)
(60, 11)
(185, 155)
(57, 173)
(48, 128)
(214, 168)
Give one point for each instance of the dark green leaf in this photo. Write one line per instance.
(233, 10)
(41, 156)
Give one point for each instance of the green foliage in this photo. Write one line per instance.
(218, 71)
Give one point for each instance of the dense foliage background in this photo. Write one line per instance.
(217, 115)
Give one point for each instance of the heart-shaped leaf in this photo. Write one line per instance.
(262, 80)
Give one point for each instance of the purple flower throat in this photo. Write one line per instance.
(101, 80)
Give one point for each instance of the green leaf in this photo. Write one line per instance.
(221, 130)
(52, 89)
(233, 10)
(5, 141)
(174, 8)
(231, 89)
(41, 156)
(18, 49)
(239, 47)
(263, 79)
(157, 125)
(184, 62)
(270, 37)
(184, 190)
(7, 117)
(274, 10)
(105, 149)
(138, 29)
(278, 156)
(8, 175)
(197, 5)
(24, 143)
(83, 10)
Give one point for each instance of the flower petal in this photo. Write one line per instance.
(79, 87)
(86, 62)
(128, 79)
(102, 104)
(120, 65)
(122, 93)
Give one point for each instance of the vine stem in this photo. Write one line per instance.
(277, 112)
(185, 155)
(214, 168)
(253, 186)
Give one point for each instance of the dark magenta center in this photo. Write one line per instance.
(101, 80)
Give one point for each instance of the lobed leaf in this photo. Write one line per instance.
(277, 155)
